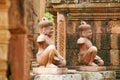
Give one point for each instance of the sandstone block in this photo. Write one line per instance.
(49, 70)
(115, 41)
(79, 75)
(114, 57)
(91, 68)
(59, 77)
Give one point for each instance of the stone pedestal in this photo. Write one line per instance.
(52, 71)
(91, 68)
(76, 75)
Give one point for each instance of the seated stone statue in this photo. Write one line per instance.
(47, 55)
(88, 52)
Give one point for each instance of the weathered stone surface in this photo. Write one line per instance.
(3, 77)
(97, 27)
(96, 40)
(54, 1)
(4, 38)
(102, 75)
(91, 68)
(19, 58)
(105, 41)
(49, 70)
(58, 77)
(20, 50)
(61, 37)
(71, 58)
(5, 35)
(115, 26)
(105, 55)
(16, 56)
(105, 20)
(114, 41)
(16, 22)
(114, 57)
(3, 19)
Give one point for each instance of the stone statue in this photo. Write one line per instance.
(47, 55)
(88, 53)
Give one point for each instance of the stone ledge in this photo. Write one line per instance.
(50, 70)
(77, 75)
(91, 68)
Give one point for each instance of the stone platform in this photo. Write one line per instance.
(91, 68)
(53, 71)
(78, 75)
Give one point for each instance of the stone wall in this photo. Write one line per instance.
(101, 39)
(105, 38)
(24, 16)
(104, 19)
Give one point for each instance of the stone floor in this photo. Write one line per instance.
(77, 75)
(112, 73)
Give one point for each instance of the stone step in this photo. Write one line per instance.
(79, 75)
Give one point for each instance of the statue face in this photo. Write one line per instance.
(49, 31)
(87, 33)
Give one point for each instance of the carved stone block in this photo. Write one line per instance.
(114, 54)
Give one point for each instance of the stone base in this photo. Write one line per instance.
(102, 75)
(50, 70)
(91, 68)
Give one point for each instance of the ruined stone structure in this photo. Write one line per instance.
(19, 51)
(102, 15)
(17, 19)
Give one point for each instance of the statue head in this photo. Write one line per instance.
(85, 30)
(46, 26)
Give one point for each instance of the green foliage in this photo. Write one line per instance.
(49, 16)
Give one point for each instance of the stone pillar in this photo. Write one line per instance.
(4, 38)
(61, 34)
(19, 52)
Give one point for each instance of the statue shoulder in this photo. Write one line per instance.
(81, 40)
(41, 38)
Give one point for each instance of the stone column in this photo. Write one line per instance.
(4, 38)
(19, 49)
(61, 34)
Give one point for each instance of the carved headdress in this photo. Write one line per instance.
(84, 26)
(45, 23)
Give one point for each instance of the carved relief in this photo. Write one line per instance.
(61, 36)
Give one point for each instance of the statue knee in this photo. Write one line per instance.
(101, 62)
(93, 48)
(62, 63)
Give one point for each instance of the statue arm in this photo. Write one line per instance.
(80, 41)
(41, 38)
